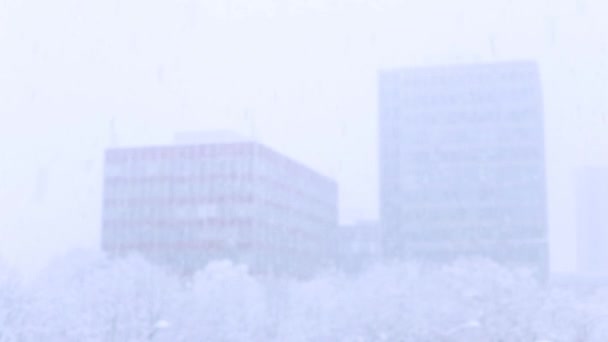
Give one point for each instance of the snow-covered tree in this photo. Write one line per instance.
(102, 300)
(222, 303)
(89, 297)
(13, 305)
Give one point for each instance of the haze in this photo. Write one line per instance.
(77, 77)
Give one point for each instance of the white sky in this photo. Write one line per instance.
(299, 75)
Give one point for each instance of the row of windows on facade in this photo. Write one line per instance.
(500, 174)
(516, 73)
(463, 136)
(444, 235)
(185, 232)
(483, 147)
(144, 161)
(185, 150)
(517, 255)
(257, 205)
(453, 86)
(517, 234)
(440, 232)
(435, 154)
(192, 177)
(217, 166)
(151, 169)
(492, 136)
(294, 246)
(171, 188)
(483, 163)
(134, 197)
(220, 191)
(469, 197)
(214, 243)
(506, 98)
(464, 96)
(397, 212)
(460, 92)
(480, 116)
(211, 243)
(216, 191)
(476, 182)
(506, 214)
(164, 218)
(129, 210)
(441, 195)
(489, 160)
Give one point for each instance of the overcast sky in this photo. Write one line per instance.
(300, 76)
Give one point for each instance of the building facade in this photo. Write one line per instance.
(357, 246)
(592, 220)
(186, 205)
(462, 163)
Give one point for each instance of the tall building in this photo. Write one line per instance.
(592, 220)
(462, 163)
(185, 205)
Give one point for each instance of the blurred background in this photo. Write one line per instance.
(301, 76)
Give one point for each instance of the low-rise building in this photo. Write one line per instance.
(185, 205)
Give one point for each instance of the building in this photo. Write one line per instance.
(462, 163)
(185, 205)
(592, 220)
(357, 246)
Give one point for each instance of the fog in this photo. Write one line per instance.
(85, 297)
(301, 77)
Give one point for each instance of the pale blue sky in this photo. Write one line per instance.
(299, 75)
